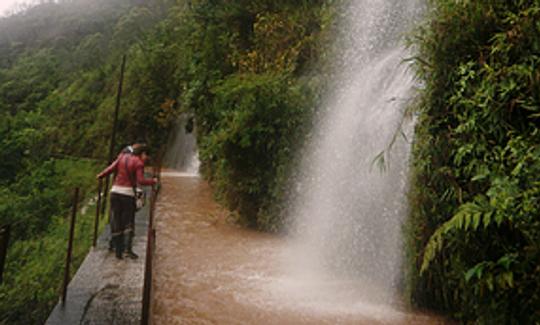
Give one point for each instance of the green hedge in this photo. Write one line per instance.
(474, 228)
(248, 150)
(246, 73)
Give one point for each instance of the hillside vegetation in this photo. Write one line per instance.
(59, 66)
(251, 73)
(246, 71)
(243, 69)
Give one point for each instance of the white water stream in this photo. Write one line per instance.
(346, 212)
(182, 155)
(342, 263)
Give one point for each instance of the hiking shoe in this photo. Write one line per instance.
(131, 255)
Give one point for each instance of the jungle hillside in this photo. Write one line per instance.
(252, 74)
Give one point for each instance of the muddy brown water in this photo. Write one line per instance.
(209, 271)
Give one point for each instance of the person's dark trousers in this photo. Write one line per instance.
(122, 217)
(129, 245)
(118, 245)
(129, 234)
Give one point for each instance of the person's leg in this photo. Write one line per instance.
(118, 243)
(111, 245)
(117, 234)
(111, 211)
(129, 244)
(111, 241)
(130, 233)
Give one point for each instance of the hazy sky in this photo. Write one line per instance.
(7, 4)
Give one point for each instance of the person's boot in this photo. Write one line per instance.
(129, 251)
(111, 245)
(118, 245)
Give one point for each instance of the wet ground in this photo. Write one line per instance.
(208, 271)
(106, 290)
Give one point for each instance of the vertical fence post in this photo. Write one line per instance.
(148, 266)
(150, 245)
(4, 241)
(70, 244)
(104, 203)
(98, 206)
(115, 125)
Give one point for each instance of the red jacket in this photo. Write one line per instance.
(135, 167)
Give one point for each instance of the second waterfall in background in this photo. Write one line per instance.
(182, 154)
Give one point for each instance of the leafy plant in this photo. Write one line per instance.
(473, 230)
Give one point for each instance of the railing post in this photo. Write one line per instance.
(98, 205)
(4, 242)
(70, 244)
(104, 203)
(150, 243)
(148, 266)
(115, 125)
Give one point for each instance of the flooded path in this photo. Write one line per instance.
(207, 271)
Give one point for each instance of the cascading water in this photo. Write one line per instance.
(346, 212)
(182, 154)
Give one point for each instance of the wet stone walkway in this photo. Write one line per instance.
(106, 290)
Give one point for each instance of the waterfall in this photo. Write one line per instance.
(346, 212)
(182, 154)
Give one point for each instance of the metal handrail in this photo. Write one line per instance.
(70, 245)
(98, 208)
(5, 232)
(150, 246)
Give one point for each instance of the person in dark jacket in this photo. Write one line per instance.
(129, 171)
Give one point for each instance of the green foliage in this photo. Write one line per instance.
(38, 206)
(32, 284)
(246, 152)
(240, 68)
(474, 230)
(244, 80)
(58, 79)
(62, 60)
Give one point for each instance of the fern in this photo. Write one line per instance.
(470, 216)
(474, 226)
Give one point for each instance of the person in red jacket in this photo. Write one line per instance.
(129, 171)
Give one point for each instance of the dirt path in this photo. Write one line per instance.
(207, 271)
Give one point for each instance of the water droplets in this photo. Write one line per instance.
(347, 215)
